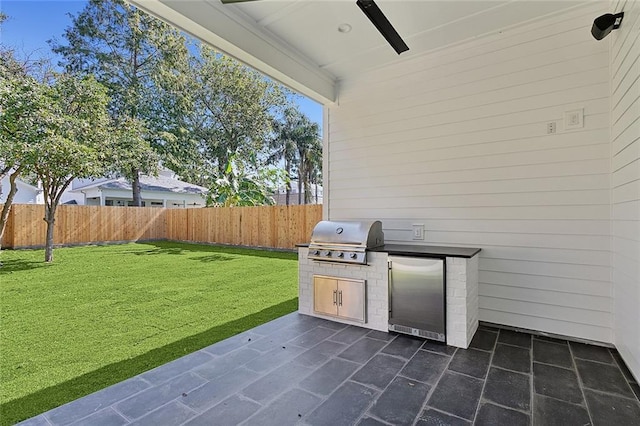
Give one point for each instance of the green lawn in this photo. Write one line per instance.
(100, 314)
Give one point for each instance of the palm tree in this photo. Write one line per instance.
(314, 170)
(307, 143)
(296, 139)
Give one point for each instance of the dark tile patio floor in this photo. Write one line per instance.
(303, 370)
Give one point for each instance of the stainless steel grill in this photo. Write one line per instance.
(345, 241)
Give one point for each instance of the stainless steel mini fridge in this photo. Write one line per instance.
(417, 296)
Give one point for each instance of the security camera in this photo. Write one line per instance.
(603, 25)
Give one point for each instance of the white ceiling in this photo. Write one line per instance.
(298, 42)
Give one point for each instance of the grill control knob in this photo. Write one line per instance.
(353, 255)
(328, 253)
(340, 254)
(316, 252)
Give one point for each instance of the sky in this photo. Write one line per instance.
(32, 23)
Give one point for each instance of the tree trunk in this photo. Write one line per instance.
(299, 187)
(7, 204)
(135, 185)
(3, 173)
(287, 186)
(50, 218)
(307, 186)
(6, 208)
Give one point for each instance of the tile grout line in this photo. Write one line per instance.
(443, 412)
(435, 385)
(326, 397)
(504, 369)
(46, 413)
(556, 366)
(239, 393)
(433, 388)
(616, 395)
(617, 367)
(532, 397)
(484, 383)
(128, 420)
(191, 409)
(260, 374)
(580, 384)
(375, 400)
(623, 366)
(406, 362)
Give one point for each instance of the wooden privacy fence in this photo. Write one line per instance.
(266, 226)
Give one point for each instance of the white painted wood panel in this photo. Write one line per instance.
(625, 181)
(627, 210)
(573, 300)
(542, 323)
(622, 212)
(569, 285)
(558, 313)
(521, 134)
(626, 174)
(458, 140)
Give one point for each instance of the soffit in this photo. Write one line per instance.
(298, 42)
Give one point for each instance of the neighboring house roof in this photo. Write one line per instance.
(27, 193)
(148, 183)
(28, 185)
(22, 183)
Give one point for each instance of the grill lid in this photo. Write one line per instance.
(345, 241)
(348, 233)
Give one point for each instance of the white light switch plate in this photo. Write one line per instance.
(418, 231)
(574, 119)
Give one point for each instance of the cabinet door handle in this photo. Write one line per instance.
(335, 297)
(340, 298)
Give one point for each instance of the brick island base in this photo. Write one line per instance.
(461, 285)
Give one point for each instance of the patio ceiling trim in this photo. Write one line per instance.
(244, 41)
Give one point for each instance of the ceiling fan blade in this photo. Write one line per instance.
(233, 1)
(377, 18)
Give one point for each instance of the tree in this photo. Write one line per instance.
(130, 52)
(283, 144)
(237, 188)
(313, 168)
(130, 149)
(74, 141)
(307, 143)
(21, 101)
(297, 143)
(232, 111)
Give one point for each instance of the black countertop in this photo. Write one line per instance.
(427, 251)
(422, 251)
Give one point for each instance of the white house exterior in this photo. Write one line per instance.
(280, 196)
(26, 194)
(505, 127)
(165, 190)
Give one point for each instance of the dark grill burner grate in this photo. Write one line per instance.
(345, 241)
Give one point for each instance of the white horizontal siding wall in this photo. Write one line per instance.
(625, 181)
(458, 141)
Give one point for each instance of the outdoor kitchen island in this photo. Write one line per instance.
(461, 283)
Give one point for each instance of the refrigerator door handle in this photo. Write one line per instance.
(390, 286)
